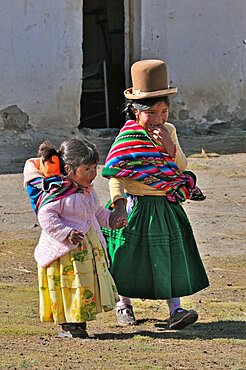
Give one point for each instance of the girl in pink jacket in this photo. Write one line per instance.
(74, 281)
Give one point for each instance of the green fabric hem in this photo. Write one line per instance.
(107, 172)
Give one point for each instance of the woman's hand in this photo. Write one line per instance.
(118, 217)
(117, 220)
(75, 237)
(161, 135)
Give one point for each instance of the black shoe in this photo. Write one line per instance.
(73, 330)
(181, 318)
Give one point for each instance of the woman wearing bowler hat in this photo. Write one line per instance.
(154, 254)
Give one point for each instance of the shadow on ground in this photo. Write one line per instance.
(211, 330)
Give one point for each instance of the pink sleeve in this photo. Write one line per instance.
(102, 214)
(49, 219)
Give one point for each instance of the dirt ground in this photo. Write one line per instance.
(217, 341)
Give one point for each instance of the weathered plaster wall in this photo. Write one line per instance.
(204, 45)
(41, 62)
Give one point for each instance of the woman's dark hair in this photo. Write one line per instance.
(129, 114)
(142, 104)
(72, 152)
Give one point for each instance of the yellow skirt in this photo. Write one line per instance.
(77, 286)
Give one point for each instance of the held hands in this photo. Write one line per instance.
(161, 135)
(75, 237)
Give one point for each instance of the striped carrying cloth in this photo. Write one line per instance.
(134, 155)
(45, 190)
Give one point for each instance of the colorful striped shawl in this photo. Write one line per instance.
(45, 190)
(134, 155)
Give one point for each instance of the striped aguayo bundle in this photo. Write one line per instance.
(45, 190)
(134, 155)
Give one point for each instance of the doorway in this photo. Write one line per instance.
(103, 79)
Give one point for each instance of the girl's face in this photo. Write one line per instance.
(153, 117)
(84, 174)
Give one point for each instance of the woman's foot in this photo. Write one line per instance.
(125, 315)
(181, 318)
(73, 330)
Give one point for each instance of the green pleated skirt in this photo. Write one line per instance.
(156, 255)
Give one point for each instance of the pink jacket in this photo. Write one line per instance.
(58, 218)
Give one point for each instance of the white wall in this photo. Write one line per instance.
(41, 60)
(202, 41)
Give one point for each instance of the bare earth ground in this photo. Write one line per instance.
(216, 341)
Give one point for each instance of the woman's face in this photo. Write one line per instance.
(153, 117)
(84, 174)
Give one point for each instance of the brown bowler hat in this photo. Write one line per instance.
(150, 80)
